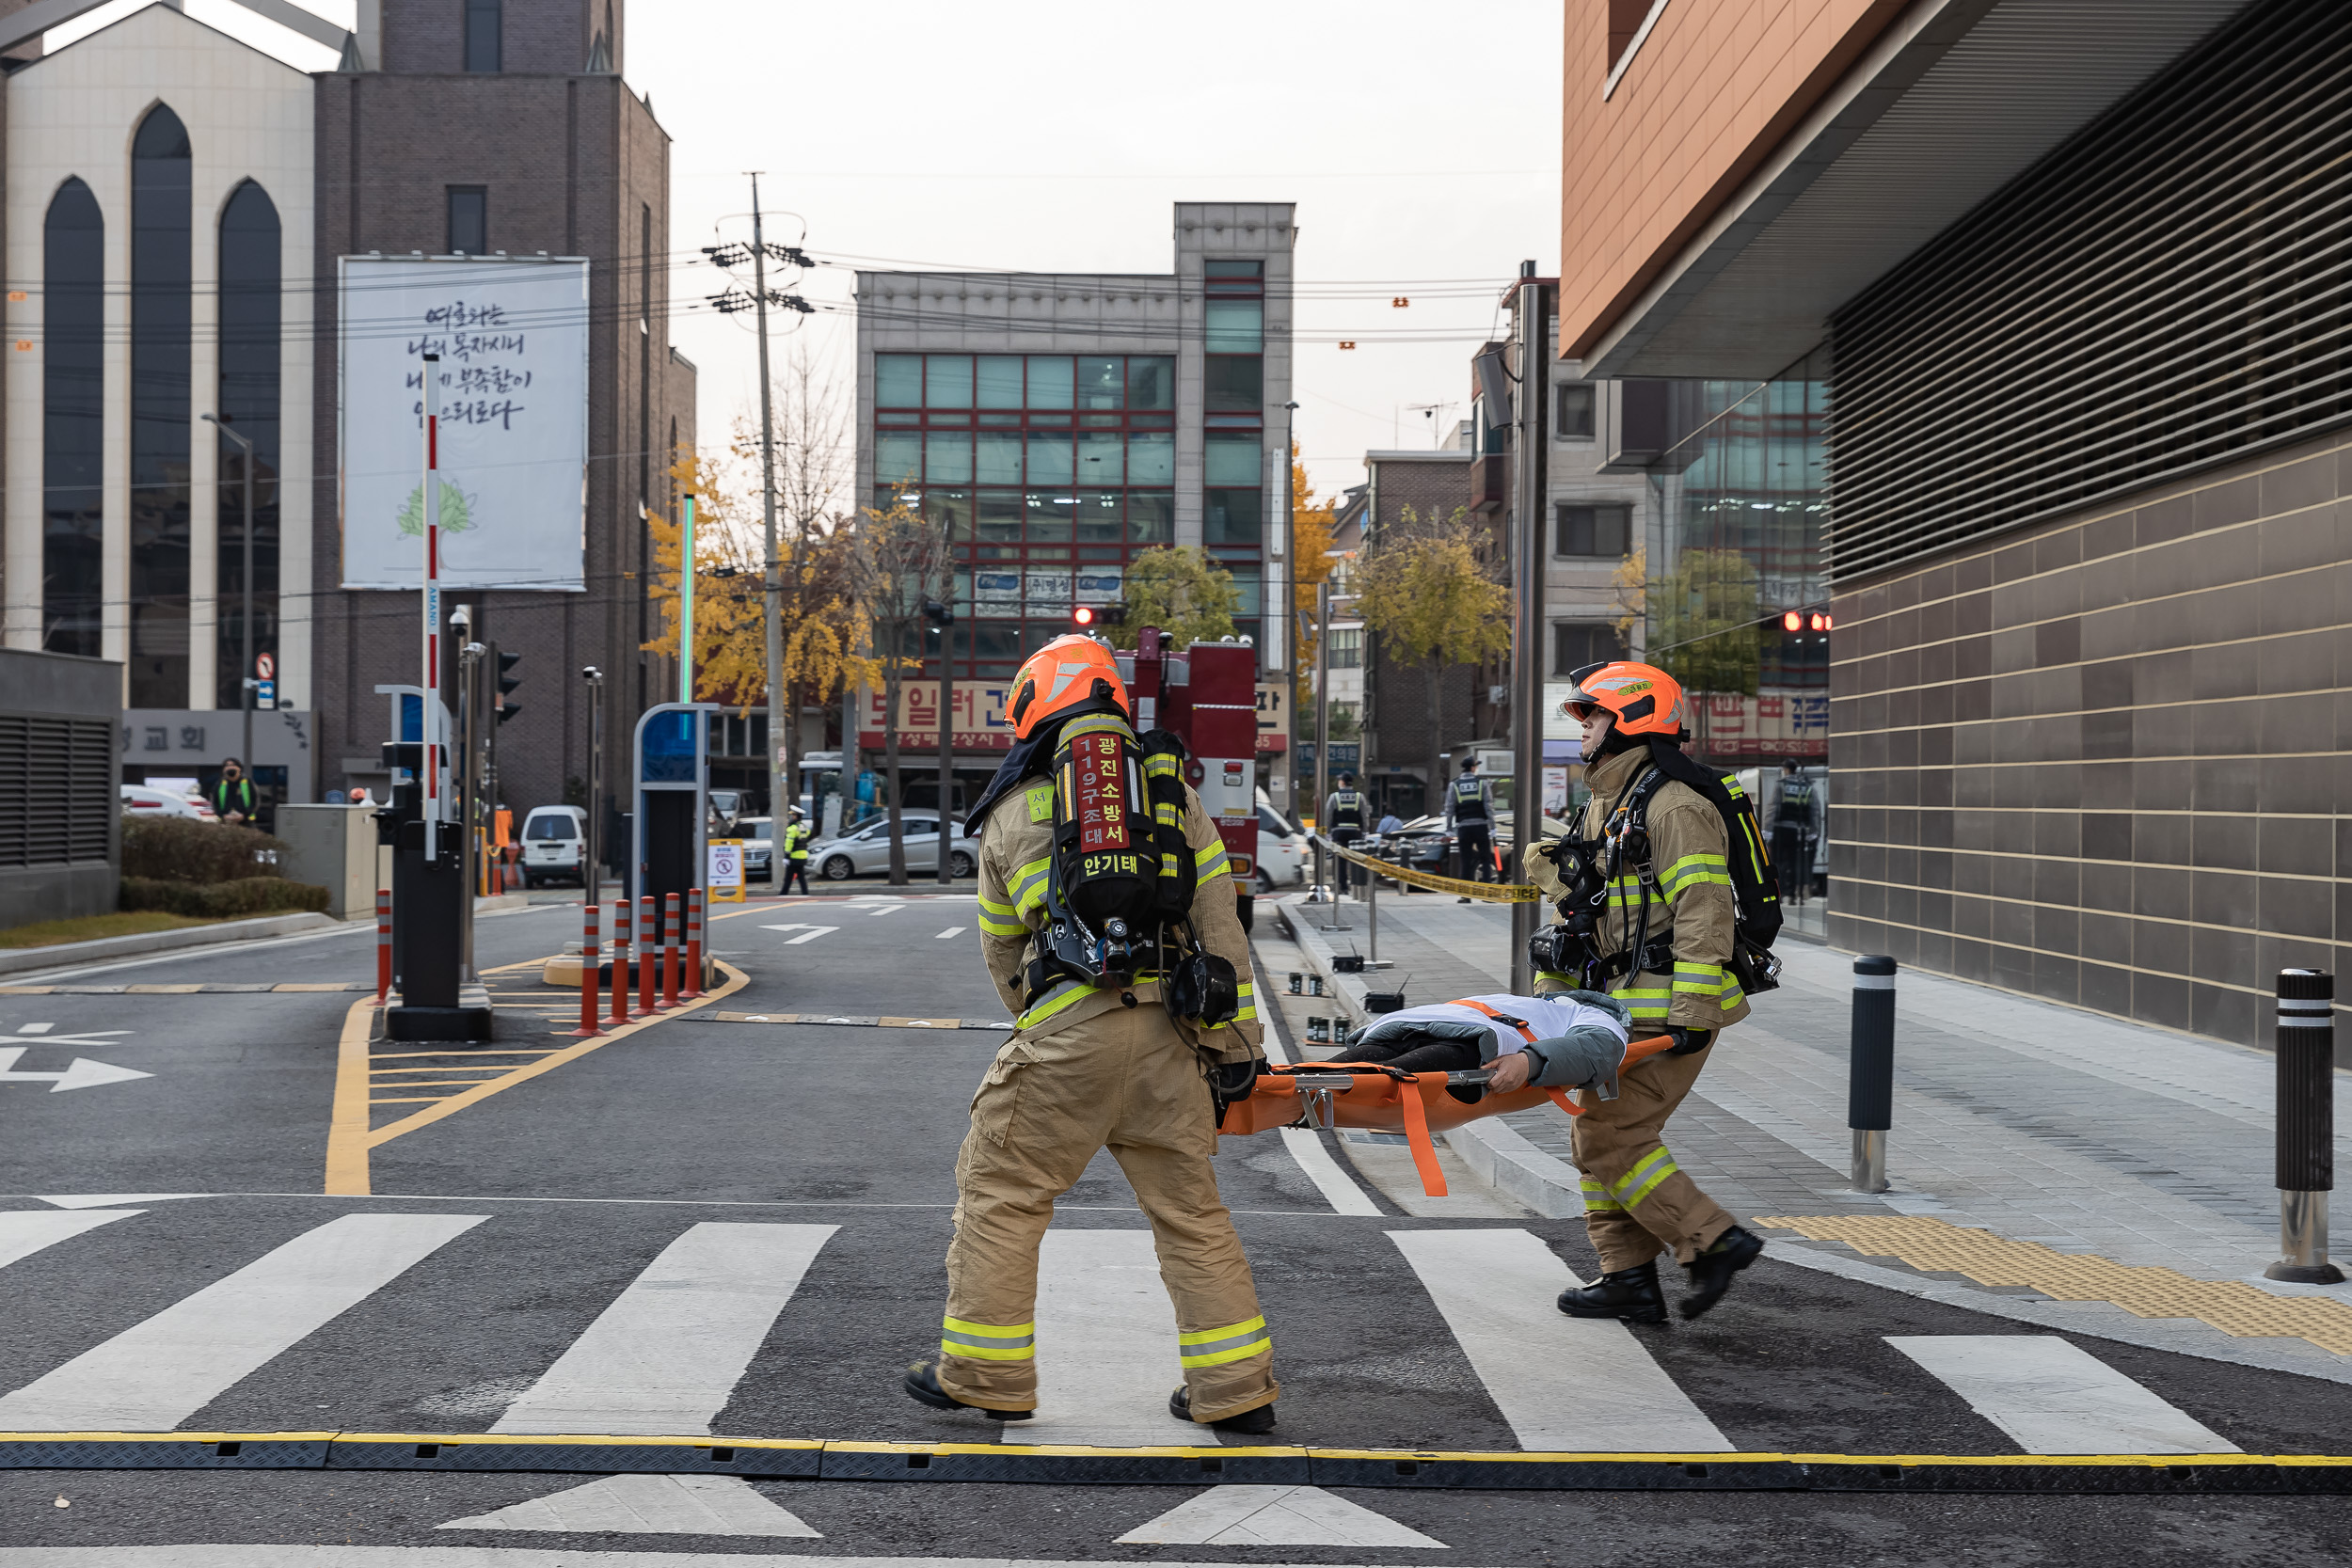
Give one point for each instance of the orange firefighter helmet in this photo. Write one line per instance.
(1640, 698)
(1067, 676)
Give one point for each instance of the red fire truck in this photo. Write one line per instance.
(1207, 696)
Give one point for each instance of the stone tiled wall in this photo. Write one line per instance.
(2105, 762)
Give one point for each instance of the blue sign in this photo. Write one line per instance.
(265, 693)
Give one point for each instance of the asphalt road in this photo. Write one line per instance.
(532, 1217)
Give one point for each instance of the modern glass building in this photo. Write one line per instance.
(1055, 425)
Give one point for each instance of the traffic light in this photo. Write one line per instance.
(938, 615)
(1792, 621)
(1082, 617)
(506, 683)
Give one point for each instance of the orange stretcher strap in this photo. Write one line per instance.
(1520, 1023)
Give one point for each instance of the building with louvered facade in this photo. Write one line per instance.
(2045, 305)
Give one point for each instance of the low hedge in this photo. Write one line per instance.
(183, 849)
(221, 901)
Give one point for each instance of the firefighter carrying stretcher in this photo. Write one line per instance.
(1108, 919)
(1669, 907)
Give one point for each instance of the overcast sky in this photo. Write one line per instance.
(1420, 143)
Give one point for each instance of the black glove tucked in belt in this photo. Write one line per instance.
(1688, 1042)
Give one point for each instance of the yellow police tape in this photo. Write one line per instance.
(1489, 892)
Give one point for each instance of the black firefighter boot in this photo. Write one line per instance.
(922, 1385)
(1710, 1272)
(1631, 1296)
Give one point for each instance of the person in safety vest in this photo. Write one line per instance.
(1795, 829)
(1469, 815)
(796, 851)
(1666, 945)
(232, 797)
(1343, 812)
(1092, 1068)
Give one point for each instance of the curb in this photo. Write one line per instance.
(71, 955)
(2292, 1475)
(1496, 1152)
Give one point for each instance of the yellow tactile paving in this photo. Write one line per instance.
(2231, 1306)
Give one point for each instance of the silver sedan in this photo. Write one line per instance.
(866, 851)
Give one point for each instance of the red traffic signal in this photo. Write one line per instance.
(1083, 616)
(1792, 621)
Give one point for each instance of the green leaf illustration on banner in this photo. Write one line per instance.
(456, 517)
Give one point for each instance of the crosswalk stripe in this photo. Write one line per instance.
(158, 1373)
(1106, 1345)
(650, 1505)
(665, 1356)
(2054, 1397)
(1562, 1382)
(1245, 1515)
(26, 1232)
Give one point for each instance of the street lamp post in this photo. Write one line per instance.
(246, 691)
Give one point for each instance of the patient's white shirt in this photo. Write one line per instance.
(1550, 1017)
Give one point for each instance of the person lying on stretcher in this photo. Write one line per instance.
(1575, 1039)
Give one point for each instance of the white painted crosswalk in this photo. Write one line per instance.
(673, 1346)
(157, 1373)
(666, 1356)
(649, 1505)
(1562, 1382)
(2056, 1398)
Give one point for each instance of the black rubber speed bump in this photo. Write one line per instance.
(732, 1456)
(1064, 1464)
(164, 1450)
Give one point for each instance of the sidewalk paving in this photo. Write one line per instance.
(2039, 1124)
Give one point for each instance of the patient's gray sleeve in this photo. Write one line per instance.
(1588, 1053)
(1408, 1032)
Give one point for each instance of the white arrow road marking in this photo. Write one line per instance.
(808, 933)
(81, 1075)
(885, 909)
(34, 1028)
(108, 1200)
(37, 1033)
(950, 931)
(650, 1505)
(1273, 1516)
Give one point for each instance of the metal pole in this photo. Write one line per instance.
(1870, 1073)
(247, 687)
(591, 867)
(2306, 1044)
(1527, 663)
(467, 783)
(781, 791)
(686, 603)
(429, 753)
(1323, 735)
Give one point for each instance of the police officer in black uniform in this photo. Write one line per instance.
(1343, 820)
(1470, 815)
(1794, 833)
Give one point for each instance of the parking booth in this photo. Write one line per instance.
(670, 831)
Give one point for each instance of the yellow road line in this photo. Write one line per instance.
(290, 986)
(347, 1126)
(393, 1055)
(430, 1084)
(350, 1140)
(2231, 1306)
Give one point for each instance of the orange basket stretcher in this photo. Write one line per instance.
(1376, 1099)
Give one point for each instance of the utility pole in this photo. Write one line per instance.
(1527, 663)
(592, 863)
(780, 790)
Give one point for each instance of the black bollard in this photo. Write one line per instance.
(2306, 1125)
(1870, 1075)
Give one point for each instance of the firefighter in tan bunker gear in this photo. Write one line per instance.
(1637, 1201)
(1092, 1068)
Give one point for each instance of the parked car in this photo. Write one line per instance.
(146, 801)
(555, 838)
(759, 848)
(1281, 850)
(866, 851)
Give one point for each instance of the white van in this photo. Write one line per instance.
(554, 839)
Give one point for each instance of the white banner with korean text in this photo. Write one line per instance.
(513, 340)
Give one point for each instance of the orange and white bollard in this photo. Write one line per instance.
(694, 912)
(648, 944)
(382, 945)
(588, 966)
(623, 950)
(670, 926)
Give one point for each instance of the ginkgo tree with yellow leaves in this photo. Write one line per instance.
(825, 630)
(1427, 587)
